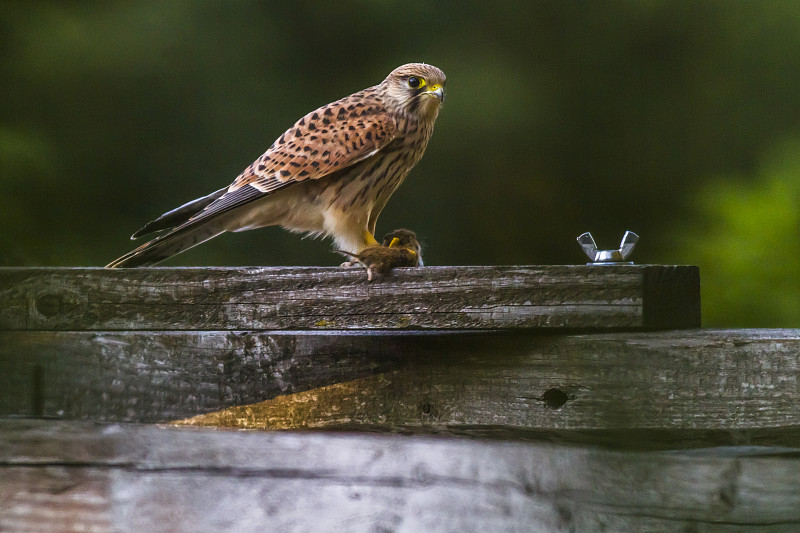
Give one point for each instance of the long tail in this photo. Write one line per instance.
(179, 215)
(167, 245)
(183, 234)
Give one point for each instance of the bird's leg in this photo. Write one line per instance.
(369, 239)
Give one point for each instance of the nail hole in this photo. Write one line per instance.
(554, 398)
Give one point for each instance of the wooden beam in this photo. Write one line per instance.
(157, 376)
(88, 477)
(552, 297)
(724, 385)
(678, 380)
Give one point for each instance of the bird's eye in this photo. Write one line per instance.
(415, 83)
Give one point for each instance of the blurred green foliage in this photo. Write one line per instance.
(744, 237)
(561, 117)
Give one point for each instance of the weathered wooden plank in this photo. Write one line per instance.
(727, 380)
(677, 380)
(156, 376)
(144, 478)
(639, 296)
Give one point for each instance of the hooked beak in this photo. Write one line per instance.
(437, 91)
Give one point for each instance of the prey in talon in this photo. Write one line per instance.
(400, 248)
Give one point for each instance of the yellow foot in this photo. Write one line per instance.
(369, 239)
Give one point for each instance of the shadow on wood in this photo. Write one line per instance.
(732, 385)
(544, 361)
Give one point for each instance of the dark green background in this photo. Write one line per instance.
(674, 119)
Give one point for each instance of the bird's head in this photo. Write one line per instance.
(415, 89)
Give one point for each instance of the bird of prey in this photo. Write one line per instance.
(330, 174)
(400, 248)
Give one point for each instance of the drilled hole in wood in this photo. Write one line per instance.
(554, 398)
(426, 408)
(49, 304)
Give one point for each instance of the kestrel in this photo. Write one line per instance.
(329, 175)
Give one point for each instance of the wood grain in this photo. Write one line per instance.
(156, 376)
(688, 380)
(562, 393)
(677, 380)
(89, 477)
(295, 298)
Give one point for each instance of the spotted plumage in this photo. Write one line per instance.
(330, 174)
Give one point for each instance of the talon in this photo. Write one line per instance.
(400, 248)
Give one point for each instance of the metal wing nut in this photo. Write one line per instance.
(589, 247)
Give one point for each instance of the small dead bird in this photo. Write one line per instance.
(400, 248)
